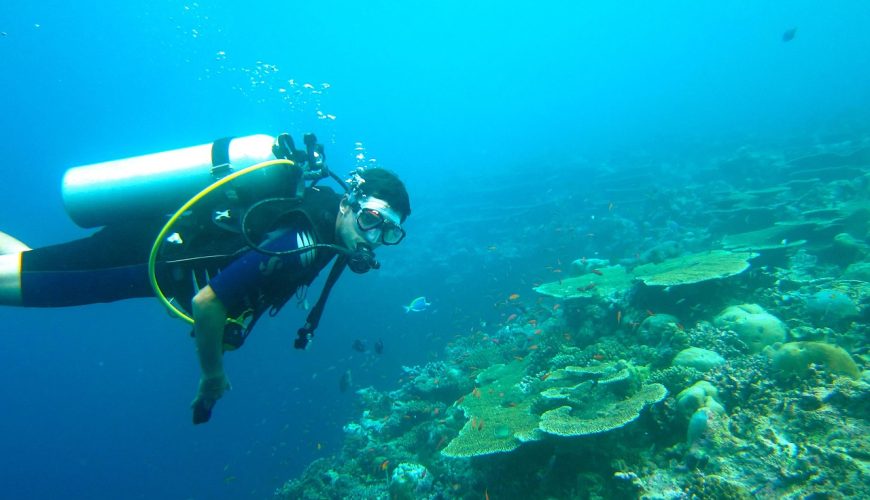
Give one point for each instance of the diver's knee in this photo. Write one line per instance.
(10, 279)
(10, 245)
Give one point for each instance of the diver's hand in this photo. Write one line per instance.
(210, 390)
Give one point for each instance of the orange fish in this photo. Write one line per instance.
(513, 296)
(539, 331)
(545, 376)
(533, 322)
(475, 392)
(533, 347)
(598, 356)
(486, 494)
(385, 464)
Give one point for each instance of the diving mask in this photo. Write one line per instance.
(378, 222)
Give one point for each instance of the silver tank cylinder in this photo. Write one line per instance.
(153, 184)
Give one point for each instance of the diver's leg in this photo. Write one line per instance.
(10, 269)
(8, 245)
(10, 279)
(109, 265)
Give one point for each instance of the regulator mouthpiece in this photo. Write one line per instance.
(362, 260)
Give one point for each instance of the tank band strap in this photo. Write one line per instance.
(220, 156)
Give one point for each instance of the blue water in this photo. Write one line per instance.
(480, 108)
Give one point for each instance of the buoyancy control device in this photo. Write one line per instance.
(184, 184)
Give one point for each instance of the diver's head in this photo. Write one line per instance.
(372, 214)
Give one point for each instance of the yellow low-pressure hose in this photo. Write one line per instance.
(152, 258)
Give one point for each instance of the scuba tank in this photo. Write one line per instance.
(158, 183)
(216, 194)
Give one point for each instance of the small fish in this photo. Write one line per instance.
(586, 288)
(545, 376)
(596, 271)
(385, 464)
(618, 317)
(480, 425)
(511, 318)
(650, 313)
(598, 356)
(417, 305)
(556, 307)
(440, 442)
(379, 346)
(789, 34)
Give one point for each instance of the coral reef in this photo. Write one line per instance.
(724, 356)
(756, 327)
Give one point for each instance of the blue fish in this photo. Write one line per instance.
(417, 305)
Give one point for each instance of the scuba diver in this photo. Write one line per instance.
(255, 230)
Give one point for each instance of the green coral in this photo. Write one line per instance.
(508, 408)
(756, 327)
(498, 412)
(770, 238)
(694, 268)
(601, 411)
(612, 279)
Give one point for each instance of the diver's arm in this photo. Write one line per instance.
(209, 318)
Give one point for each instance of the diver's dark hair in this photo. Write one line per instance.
(386, 185)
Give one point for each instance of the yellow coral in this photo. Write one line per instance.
(794, 358)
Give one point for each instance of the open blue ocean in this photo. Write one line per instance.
(533, 137)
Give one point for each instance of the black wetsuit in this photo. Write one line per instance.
(112, 264)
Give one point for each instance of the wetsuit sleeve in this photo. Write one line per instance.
(254, 273)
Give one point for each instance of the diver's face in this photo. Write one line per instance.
(375, 223)
(346, 229)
